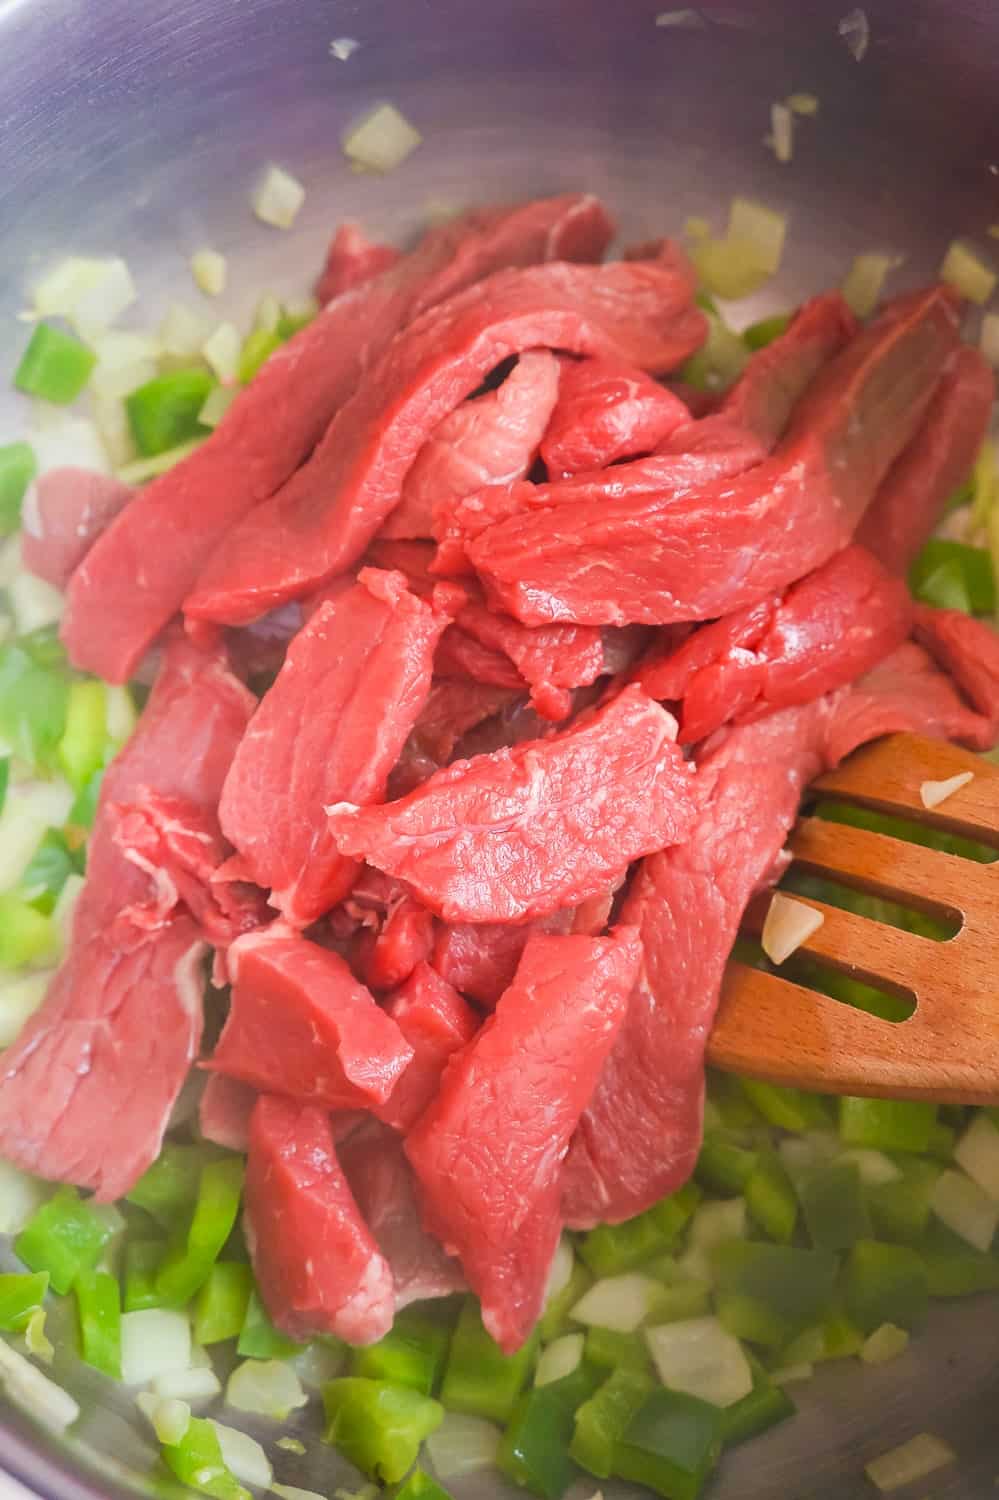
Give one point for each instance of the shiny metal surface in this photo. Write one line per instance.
(139, 128)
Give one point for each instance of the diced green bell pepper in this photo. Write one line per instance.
(33, 699)
(972, 565)
(412, 1354)
(84, 742)
(197, 1462)
(887, 1124)
(480, 1379)
(606, 1349)
(27, 935)
(767, 1293)
(221, 1306)
(84, 809)
(534, 1450)
(759, 335)
(51, 865)
(54, 367)
(611, 1249)
(98, 1305)
(788, 1109)
(143, 1259)
(378, 1426)
(420, 1486)
(885, 1284)
(764, 1406)
(671, 1445)
(164, 412)
(900, 1210)
(18, 467)
(259, 1339)
(20, 1296)
(65, 1237)
(4, 780)
(724, 1166)
(187, 1265)
(555, 1319)
(734, 1110)
(601, 1421)
(168, 1189)
(833, 1205)
(953, 1268)
(258, 347)
(771, 1201)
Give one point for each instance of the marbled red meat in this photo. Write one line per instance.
(436, 1022)
(606, 410)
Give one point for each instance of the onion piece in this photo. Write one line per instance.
(559, 1358)
(920, 1456)
(182, 332)
(698, 1356)
(855, 29)
(278, 198)
(343, 47)
(795, 1374)
(34, 1392)
(788, 924)
(61, 440)
(32, 807)
(34, 603)
(244, 1456)
(155, 1341)
(292, 1492)
(268, 1387)
(621, 1303)
(168, 1417)
(803, 104)
(217, 403)
(760, 226)
(782, 131)
(560, 1270)
(382, 140)
(965, 1208)
(150, 468)
(933, 793)
(463, 1445)
(210, 271)
(864, 280)
(198, 1383)
(684, 20)
(966, 271)
(884, 1344)
(222, 350)
(90, 294)
(873, 1167)
(977, 1153)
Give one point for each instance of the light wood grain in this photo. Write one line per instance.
(948, 1049)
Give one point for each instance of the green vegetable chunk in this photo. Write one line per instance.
(187, 1266)
(259, 1339)
(885, 1284)
(759, 335)
(51, 865)
(555, 1319)
(832, 1202)
(770, 1198)
(788, 1109)
(33, 702)
(164, 412)
(420, 1486)
(258, 347)
(724, 1166)
(411, 1354)
(945, 569)
(55, 367)
(612, 1248)
(197, 1462)
(601, 1421)
(606, 1349)
(169, 1188)
(65, 1237)
(767, 1293)
(143, 1259)
(900, 1210)
(765, 1406)
(887, 1124)
(480, 1379)
(20, 1297)
(26, 934)
(534, 1451)
(18, 467)
(84, 809)
(378, 1426)
(98, 1304)
(671, 1445)
(82, 748)
(953, 1268)
(221, 1306)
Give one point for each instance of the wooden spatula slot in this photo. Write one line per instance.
(770, 1027)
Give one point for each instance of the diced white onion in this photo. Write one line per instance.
(382, 141)
(684, 20)
(317, 1364)
(61, 440)
(621, 1303)
(30, 808)
(715, 1224)
(463, 1445)
(155, 1341)
(855, 30)
(782, 131)
(884, 1344)
(290, 1445)
(113, 430)
(169, 1417)
(124, 362)
(788, 924)
(920, 1456)
(865, 279)
(795, 1374)
(34, 1392)
(723, 354)
(196, 1383)
(560, 1271)
(210, 271)
(803, 104)
(801, 1154)
(150, 468)
(20, 997)
(966, 271)
(182, 331)
(217, 403)
(89, 294)
(36, 1340)
(343, 47)
(34, 603)
(268, 313)
(222, 351)
(121, 716)
(698, 1356)
(965, 1208)
(873, 1167)
(292, 1492)
(559, 1359)
(977, 1153)
(933, 793)
(244, 1456)
(268, 1387)
(278, 198)
(20, 1196)
(761, 227)
(302, 309)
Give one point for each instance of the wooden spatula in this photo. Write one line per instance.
(948, 1049)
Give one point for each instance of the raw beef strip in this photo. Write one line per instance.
(326, 516)
(351, 260)
(451, 710)
(728, 545)
(64, 513)
(314, 1259)
(522, 832)
(375, 1165)
(224, 1112)
(606, 410)
(911, 499)
(481, 958)
(489, 1150)
(300, 1024)
(143, 567)
(969, 650)
(826, 631)
(332, 727)
(386, 957)
(436, 1023)
(87, 1089)
(461, 655)
(550, 659)
(491, 439)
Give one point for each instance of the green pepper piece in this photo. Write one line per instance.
(887, 1124)
(832, 1202)
(759, 335)
(885, 1284)
(51, 865)
(788, 1109)
(164, 412)
(420, 1486)
(900, 1210)
(953, 1268)
(534, 1450)
(20, 1296)
(972, 565)
(259, 1339)
(606, 1349)
(98, 1305)
(27, 935)
(54, 367)
(764, 1406)
(767, 1293)
(168, 1189)
(258, 347)
(612, 1248)
(187, 1265)
(84, 809)
(65, 1237)
(33, 700)
(143, 1259)
(480, 1379)
(724, 1166)
(18, 467)
(555, 1319)
(378, 1426)
(81, 749)
(411, 1354)
(601, 1421)
(671, 1445)
(770, 1198)
(197, 1462)
(220, 1310)
(734, 1110)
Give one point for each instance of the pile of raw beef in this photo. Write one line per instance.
(474, 862)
